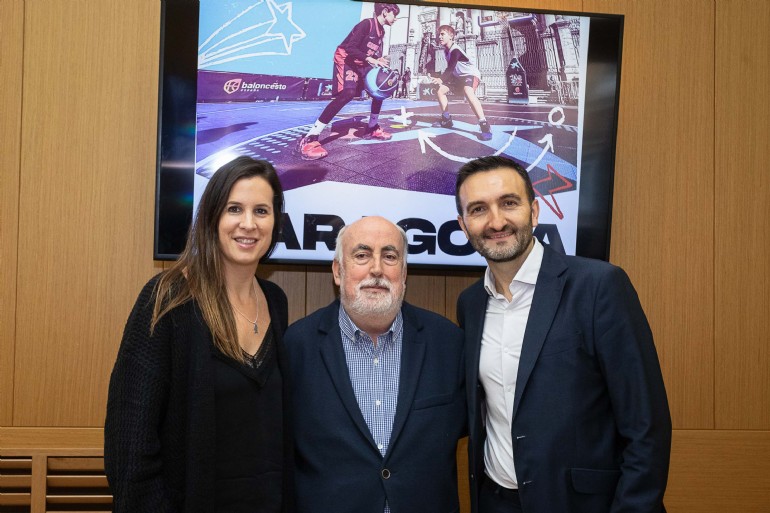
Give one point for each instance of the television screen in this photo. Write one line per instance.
(369, 108)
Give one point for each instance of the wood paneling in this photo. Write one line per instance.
(37, 500)
(426, 290)
(663, 217)
(291, 279)
(14, 439)
(455, 284)
(718, 471)
(463, 485)
(86, 199)
(742, 207)
(11, 58)
(53, 479)
(320, 288)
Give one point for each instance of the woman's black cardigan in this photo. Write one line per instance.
(159, 430)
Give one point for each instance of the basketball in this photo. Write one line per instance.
(381, 83)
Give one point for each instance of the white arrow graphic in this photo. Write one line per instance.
(425, 138)
(548, 140)
(508, 143)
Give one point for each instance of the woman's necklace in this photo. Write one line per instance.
(254, 322)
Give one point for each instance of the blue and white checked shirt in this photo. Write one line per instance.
(374, 373)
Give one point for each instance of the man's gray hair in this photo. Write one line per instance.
(338, 244)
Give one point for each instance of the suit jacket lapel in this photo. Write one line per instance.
(412, 354)
(333, 356)
(545, 302)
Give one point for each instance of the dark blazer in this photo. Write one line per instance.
(159, 434)
(338, 467)
(591, 428)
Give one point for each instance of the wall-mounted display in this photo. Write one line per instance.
(370, 108)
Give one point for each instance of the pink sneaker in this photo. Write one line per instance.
(377, 133)
(310, 149)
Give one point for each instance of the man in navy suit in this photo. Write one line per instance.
(378, 388)
(567, 408)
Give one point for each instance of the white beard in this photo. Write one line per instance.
(377, 304)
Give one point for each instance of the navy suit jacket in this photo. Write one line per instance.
(338, 466)
(591, 428)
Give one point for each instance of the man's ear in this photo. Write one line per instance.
(336, 272)
(462, 226)
(535, 212)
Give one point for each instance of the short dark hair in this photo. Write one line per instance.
(483, 164)
(379, 6)
(205, 230)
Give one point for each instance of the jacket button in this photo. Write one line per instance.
(385, 473)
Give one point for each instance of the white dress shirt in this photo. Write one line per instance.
(501, 342)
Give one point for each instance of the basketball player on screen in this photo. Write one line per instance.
(460, 77)
(358, 53)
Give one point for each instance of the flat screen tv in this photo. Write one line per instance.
(252, 77)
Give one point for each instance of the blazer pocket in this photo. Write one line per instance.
(434, 400)
(586, 480)
(562, 344)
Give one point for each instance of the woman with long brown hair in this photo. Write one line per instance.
(195, 417)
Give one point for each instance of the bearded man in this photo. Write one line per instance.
(378, 399)
(567, 408)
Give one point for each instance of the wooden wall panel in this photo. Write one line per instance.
(426, 290)
(718, 471)
(291, 279)
(320, 288)
(87, 194)
(663, 220)
(50, 438)
(11, 55)
(742, 207)
(463, 485)
(455, 284)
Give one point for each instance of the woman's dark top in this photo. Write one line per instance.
(160, 434)
(249, 435)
